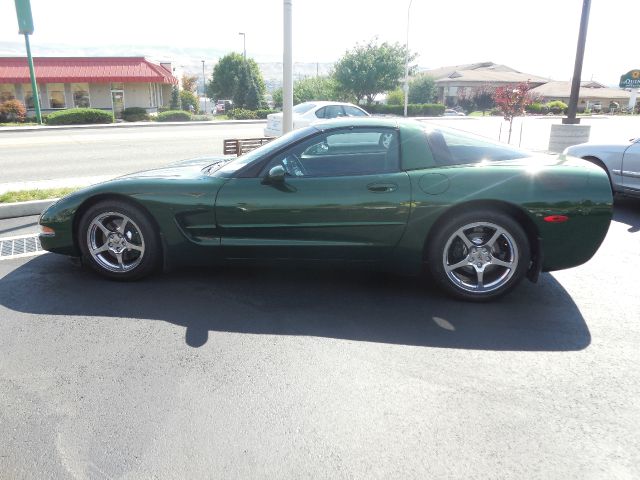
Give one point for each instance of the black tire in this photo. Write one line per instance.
(128, 255)
(476, 259)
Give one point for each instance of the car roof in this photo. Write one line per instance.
(321, 103)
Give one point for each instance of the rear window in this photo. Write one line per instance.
(303, 107)
(453, 147)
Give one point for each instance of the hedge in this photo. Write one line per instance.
(242, 114)
(413, 109)
(262, 113)
(135, 114)
(79, 116)
(174, 116)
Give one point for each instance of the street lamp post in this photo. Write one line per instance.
(577, 71)
(204, 88)
(244, 45)
(406, 63)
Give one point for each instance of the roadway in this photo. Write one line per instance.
(107, 152)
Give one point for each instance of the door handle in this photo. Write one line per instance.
(382, 187)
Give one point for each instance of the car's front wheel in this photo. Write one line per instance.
(118, 240)
(479, 255)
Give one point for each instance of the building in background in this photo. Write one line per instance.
(476, 75)
(593, 95)
(107, 83)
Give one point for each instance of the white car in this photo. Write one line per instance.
(450, 112)
(621, 161)
(306, 113)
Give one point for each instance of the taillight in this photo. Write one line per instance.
(556, 218)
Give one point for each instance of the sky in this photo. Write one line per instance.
(537, 37)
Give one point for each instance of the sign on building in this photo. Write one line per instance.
(631, 79)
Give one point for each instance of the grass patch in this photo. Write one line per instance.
(27, 195)
(17, 124)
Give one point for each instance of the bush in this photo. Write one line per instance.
(134, 114)
(395, 97)
(535, 108)
(413, 109)
(12, 111)
(189, 99)
(557, 107)
(264, 112)
(242, 114)
(174, 116)
(79, 116)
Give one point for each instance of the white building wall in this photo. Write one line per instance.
(100, 95)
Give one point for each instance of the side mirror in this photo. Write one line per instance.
(275, 175)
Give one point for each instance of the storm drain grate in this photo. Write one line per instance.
(22, 246)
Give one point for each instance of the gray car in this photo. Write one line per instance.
(621, 161)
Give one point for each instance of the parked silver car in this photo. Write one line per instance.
(621, 161)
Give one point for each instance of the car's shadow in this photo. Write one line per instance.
(359, 306)
(627, 211)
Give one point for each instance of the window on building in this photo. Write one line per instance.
(80, 92)
(28, 96)
(7, 92)
(55, 91)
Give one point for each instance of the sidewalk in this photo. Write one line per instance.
(40, 128)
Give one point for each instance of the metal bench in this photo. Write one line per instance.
(239, 146)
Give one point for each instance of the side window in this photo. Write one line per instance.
(354, 112)
(320, 113)
(354, 151)
(333, 111)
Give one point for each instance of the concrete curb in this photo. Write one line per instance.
(24, 209)
(129, 125)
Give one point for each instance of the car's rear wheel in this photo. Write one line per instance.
(118, 240)
(479, 255)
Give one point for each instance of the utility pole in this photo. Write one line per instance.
(204, 88)
(577, 71)
(244, 45)
(406, 63)
(287, 64)
(25, 26)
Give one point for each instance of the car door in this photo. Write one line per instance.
(343, 197)
(631, 168)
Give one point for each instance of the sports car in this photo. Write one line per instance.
(395, 195)
(621, 161)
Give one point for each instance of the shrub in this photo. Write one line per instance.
(135, 114)
(174, 116)
(79, 116)
(189, 99)
(413, 109)
(535, 108)
(395, 97)
(242, 114)
(12, 111)
(556, 107)
(264, 112)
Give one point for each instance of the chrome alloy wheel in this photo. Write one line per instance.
(480, 257)
(115, 242)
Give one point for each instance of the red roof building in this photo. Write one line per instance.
(110, 83)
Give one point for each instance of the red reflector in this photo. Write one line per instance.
(556, 218)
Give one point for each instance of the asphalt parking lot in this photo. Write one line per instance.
(272, 373)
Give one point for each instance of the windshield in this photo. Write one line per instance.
(303, 107)
(233, 166)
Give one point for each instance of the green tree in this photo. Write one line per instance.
(312, 88)
(189, 99)
(370, 69)
(174, 104)
(422, 89)
(239, 80)
(396, 97)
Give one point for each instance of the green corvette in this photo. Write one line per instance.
(397, 195)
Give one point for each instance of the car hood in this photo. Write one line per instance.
(179, 170)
